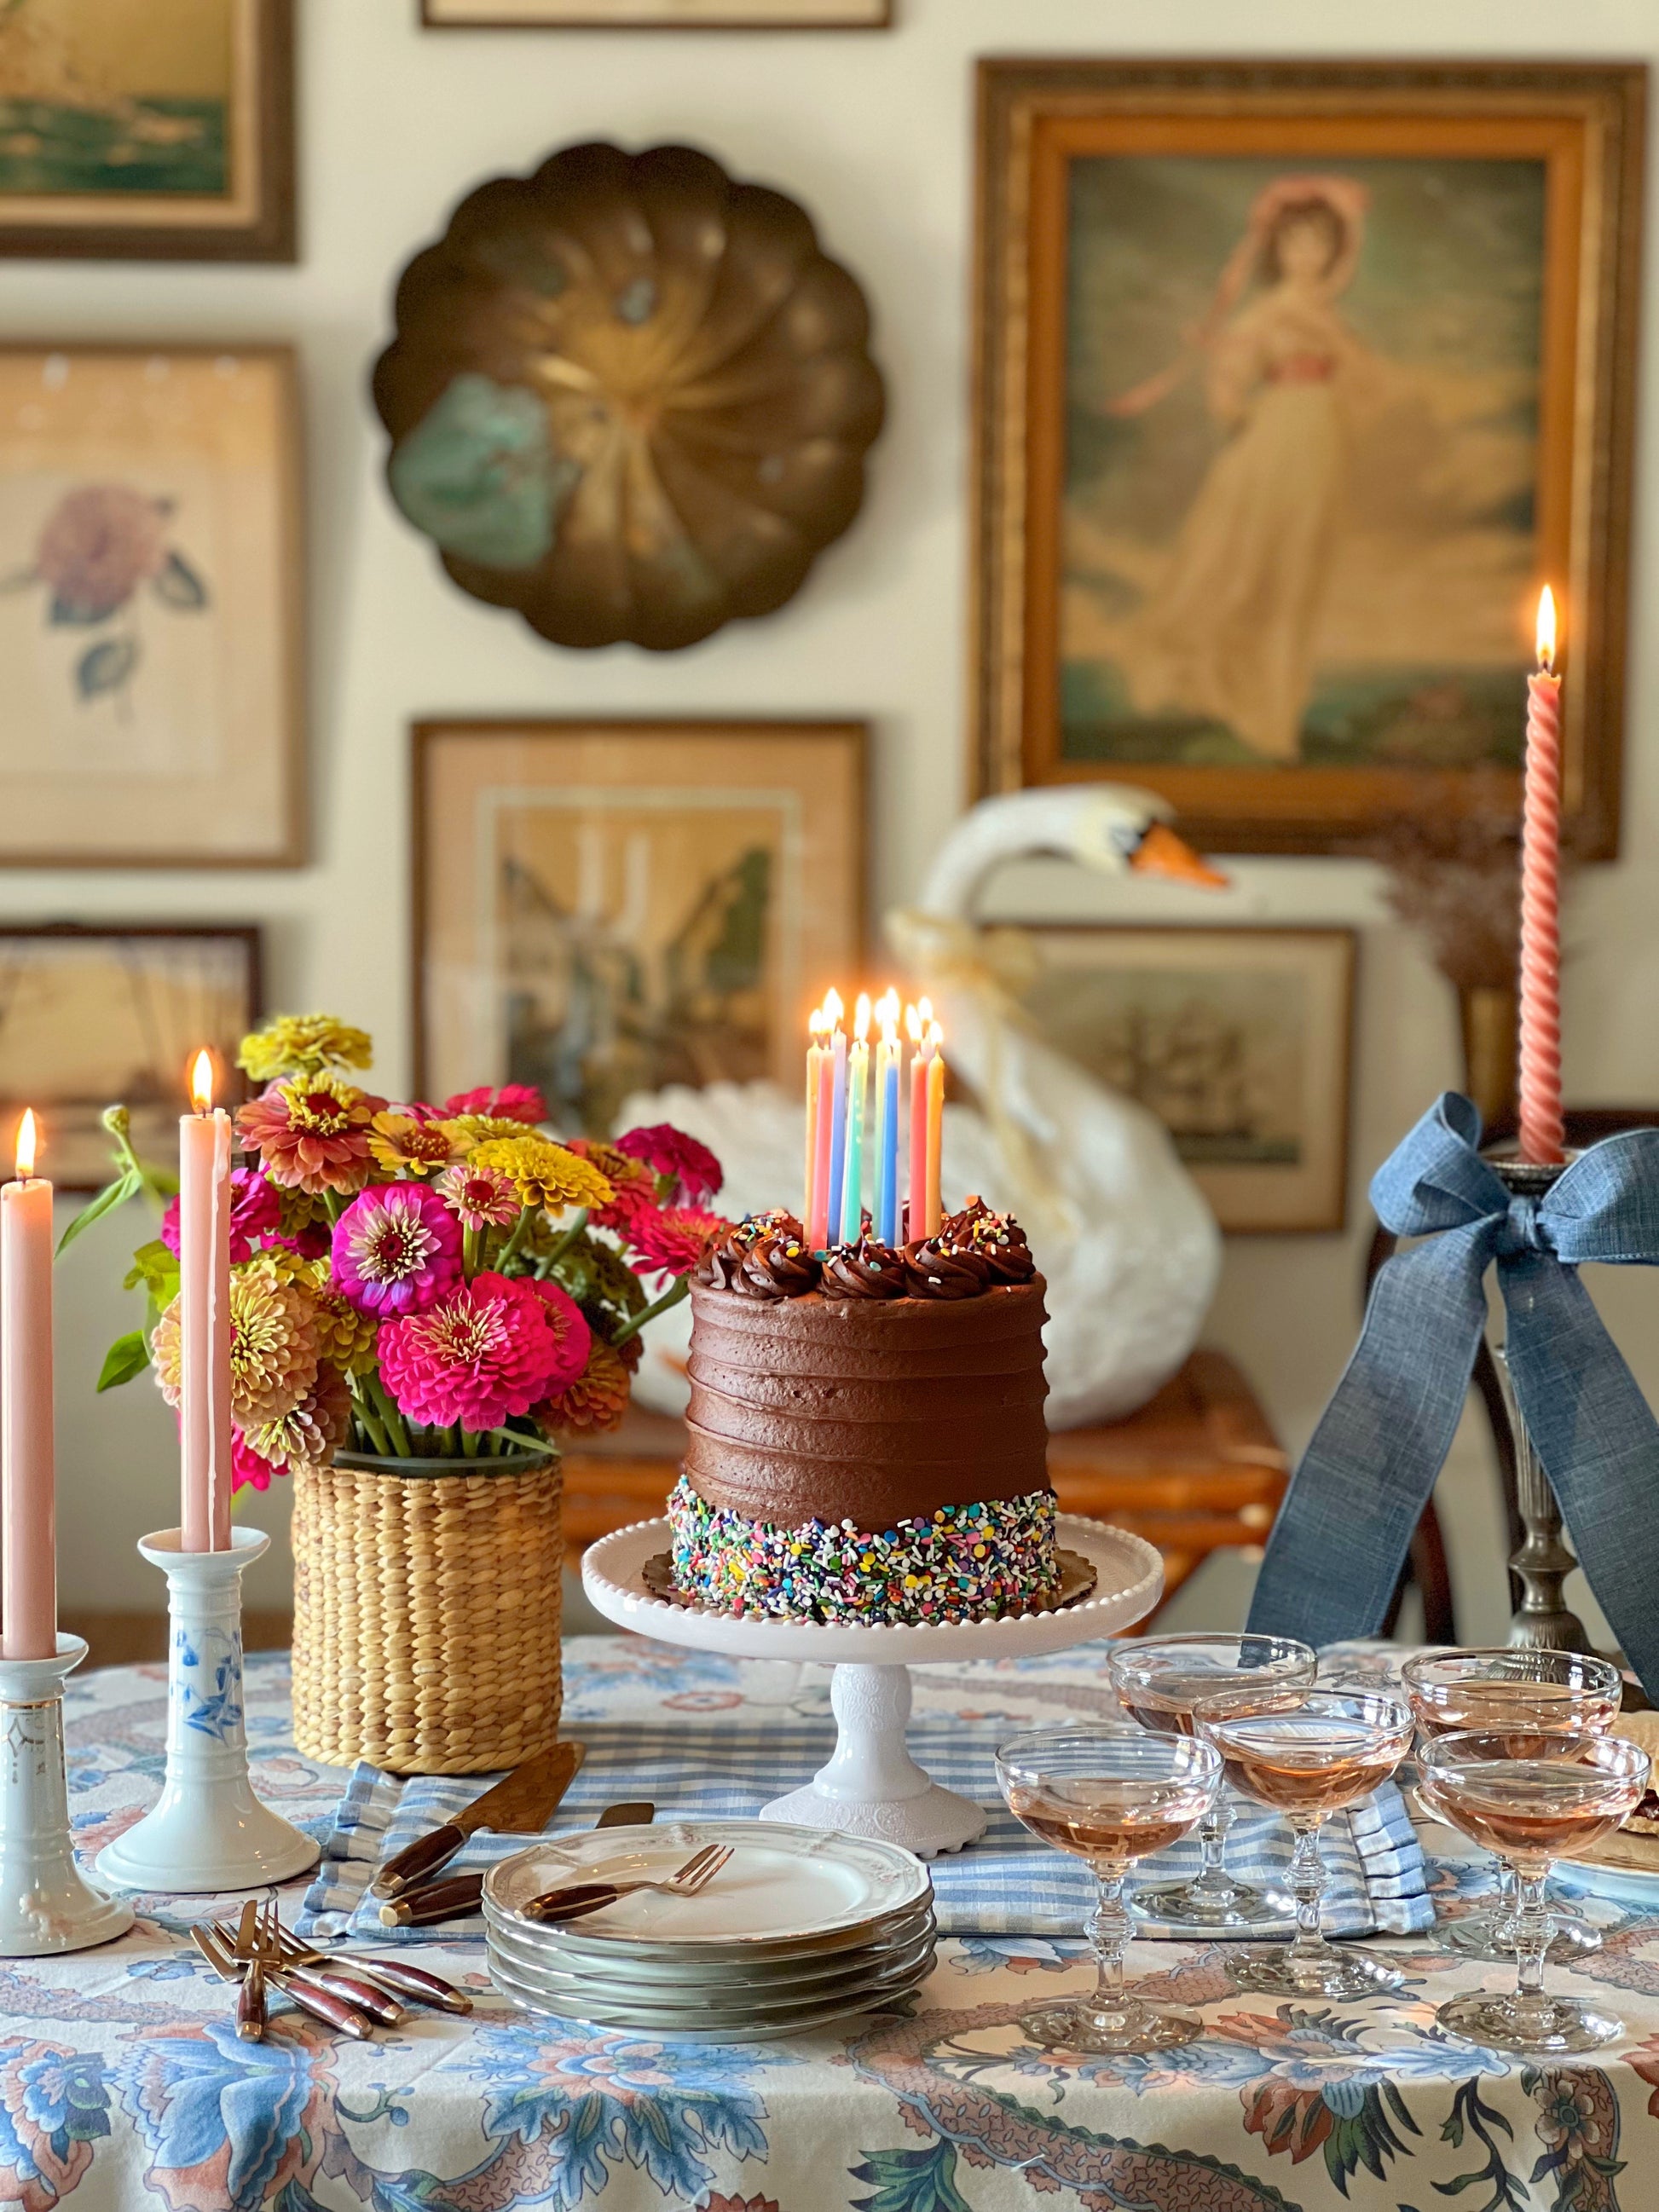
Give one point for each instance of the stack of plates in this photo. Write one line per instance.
(799, 1929)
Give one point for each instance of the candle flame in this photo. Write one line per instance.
(815, 1023)
(935, 1038)
(833, 1008)
(25, 1145)
(1547, 629)
(913, 1025)
(861, 1016)
(201, 1081)
(887, 1013)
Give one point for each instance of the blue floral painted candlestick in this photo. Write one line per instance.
(208, 1832)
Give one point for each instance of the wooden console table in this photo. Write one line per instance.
(1196, 1470)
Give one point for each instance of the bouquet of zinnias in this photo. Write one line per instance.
(420, 1281)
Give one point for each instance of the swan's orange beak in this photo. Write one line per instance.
(1161, 853)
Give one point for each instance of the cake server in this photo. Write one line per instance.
(462, 1893)
(520, 1804)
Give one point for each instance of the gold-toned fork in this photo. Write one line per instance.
(258, 1955)
(574, 1900)
(390, 1975)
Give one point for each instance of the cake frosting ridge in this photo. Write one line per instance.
(865, 1434)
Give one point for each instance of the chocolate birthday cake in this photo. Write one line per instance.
(867, 1434)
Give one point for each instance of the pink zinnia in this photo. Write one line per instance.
(495, 1348)
(480, 1197)
(690, 1168)
(248, 1470)
(396, 1250)
(507, 1101)
(671, 1242)
(255, 1208)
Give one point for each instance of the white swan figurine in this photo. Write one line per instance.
(1130, 1250)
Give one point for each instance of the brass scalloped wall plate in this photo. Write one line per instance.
(628, 396)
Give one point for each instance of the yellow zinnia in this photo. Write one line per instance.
(304, 1044)
(545, 1174)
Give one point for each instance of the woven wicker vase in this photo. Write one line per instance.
(426, 1612)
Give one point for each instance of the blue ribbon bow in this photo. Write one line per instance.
(1341, 1537)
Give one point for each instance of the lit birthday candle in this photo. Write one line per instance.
(1542, 1131)
(814, 1055)
(837, 1112)
(919, 1021)
(887, 1118)
(934, 1213)
(27, 1474)
(857, 1085)
(817, 1220)
(204, 1317)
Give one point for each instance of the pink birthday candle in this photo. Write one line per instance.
(1542, 1131)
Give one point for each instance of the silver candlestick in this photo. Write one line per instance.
(1543, 1621)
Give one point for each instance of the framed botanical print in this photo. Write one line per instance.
(159, 129)
(602, 907)
(1239, 1041)
(658, 14)
(1296, 381)
(88, 1015)
(150, 577)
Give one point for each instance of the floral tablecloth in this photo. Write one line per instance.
(123, 2084)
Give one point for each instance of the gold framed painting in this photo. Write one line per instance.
(1240, 1041)
(151, 578)
(658, 14)
(155, 130)
(1296, 381)
(111, 1012)
(602, 907)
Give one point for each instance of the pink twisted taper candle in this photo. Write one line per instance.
(1542, 1131)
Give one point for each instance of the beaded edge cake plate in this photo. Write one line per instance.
(1128, 1580)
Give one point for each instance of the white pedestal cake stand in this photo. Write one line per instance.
(871, 1786)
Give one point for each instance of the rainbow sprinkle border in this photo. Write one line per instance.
(964, 1563)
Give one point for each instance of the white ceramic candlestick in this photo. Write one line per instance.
(44, 1904)
(208, 1832)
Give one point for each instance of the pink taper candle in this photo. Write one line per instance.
(28, 1485)
(1542, 1133)
(204, 1317)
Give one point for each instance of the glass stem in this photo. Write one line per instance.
(1107, 1930)
(1533, 1929)
(1307, 1888)
(1213, 1879)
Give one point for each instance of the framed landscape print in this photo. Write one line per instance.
(150, 575)
(1297, 381)
(1238, 1040)
(608, 907)
(157, 129)
(658, 14)
(92, 1017)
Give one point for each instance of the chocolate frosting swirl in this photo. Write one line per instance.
(933, 1272)
(998, 1242)
(775, 1266)
(723, 1263)
(868, 1269)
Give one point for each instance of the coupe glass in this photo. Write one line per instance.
(1540, 1694)
(1564, 1792)
(1160, 1680)
(1110, 1794)
(1308, 1754)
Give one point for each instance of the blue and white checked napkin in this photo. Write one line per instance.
(1008, 1883)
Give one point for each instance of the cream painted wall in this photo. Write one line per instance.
(874, 134)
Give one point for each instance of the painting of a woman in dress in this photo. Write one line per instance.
(1228, 631)
(1299, 508)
